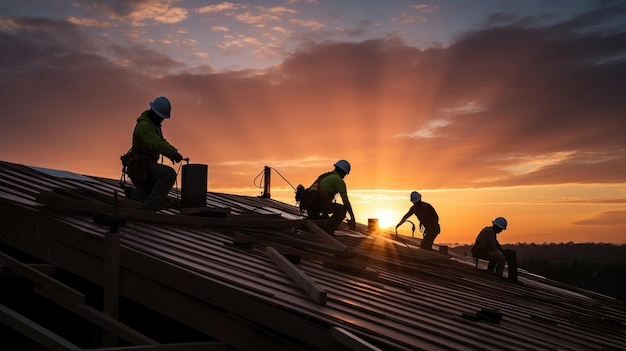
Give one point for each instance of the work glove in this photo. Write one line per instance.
(177, 158)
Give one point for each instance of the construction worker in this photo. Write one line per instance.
(488, 248)
(428, 217)
(320, 195)
(152, 180)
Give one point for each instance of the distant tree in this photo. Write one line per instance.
(596, 267)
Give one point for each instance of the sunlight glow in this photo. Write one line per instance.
(386, 218)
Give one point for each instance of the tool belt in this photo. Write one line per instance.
(316, 201)
(136, 164)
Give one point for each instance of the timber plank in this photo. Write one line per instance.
(316, 292)
(35, 331)
(56, 202)
(191, 346)
(322, 234)
(100, 319)
(352, 341)
(41, 279)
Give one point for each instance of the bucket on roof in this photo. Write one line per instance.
(194, 185)
(372, 224)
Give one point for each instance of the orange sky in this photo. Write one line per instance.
(519, 119)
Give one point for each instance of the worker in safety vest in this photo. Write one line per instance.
(488, 247)
(320, 195)
(153, 180)
(428, 217)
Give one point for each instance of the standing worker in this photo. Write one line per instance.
(428, 217)
(320, 195)
(487, 247)
(152, 180)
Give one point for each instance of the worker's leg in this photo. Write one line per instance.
(427, 242)
(339, 213)
(164, 178)
(138, 174)
(511, 260)
(143, 189)
(313, 206)
(497, 258)
(429, 237)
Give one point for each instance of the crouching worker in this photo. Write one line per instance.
(320, 195)
(488, 248)
(428, 217)
(152, 180)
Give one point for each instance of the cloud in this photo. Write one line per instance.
(138, 13)
(224, 6)
(88, 22)
(501, 106)
(605, 218)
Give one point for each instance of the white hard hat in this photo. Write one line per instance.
(415, 197)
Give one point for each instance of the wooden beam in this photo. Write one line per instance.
(47, 269)
(309, 255)
(41, 279)
(111, 281)
(60, 203)
(275, 240)
(327, 237)
(316, 292)
(205, 304)
(72, 300)
(206, 211)
(34, 331)
(352, 341)
(222, 321)
(190, 346)
(100, 319)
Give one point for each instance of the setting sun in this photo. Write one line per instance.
(386, 218)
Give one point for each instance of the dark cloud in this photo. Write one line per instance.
(479, 112)
(606, 218)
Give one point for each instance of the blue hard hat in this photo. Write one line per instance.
(344, 165)
(162, 107)
(415, 197)
(500, 222)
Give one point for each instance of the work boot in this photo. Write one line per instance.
(161, 205)
(131, 194)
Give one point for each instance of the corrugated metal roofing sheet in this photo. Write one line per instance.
(384, 291)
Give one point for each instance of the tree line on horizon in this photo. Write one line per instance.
(596, 267)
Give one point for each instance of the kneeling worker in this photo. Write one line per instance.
(488, 248)
(320, 204)
(152, 180)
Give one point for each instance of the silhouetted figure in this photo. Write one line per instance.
(152, 180)
(318, 201)
(488, 248)
(428, 217)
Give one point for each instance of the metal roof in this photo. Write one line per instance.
(253, 274)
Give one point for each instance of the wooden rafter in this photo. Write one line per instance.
(314, 290)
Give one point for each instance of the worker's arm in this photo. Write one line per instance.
(352, 220)
(499, 247)
(346, 202)
(406, 216)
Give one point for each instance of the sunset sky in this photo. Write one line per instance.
(488, 108)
